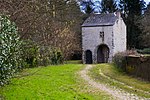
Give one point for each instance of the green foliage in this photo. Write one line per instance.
(30, 54)
(10, 43)
(35, 55)
(88, 6)
(130, 69)
(44, 58)
(143, 24)
(56, 56)
(108, 6)
(50, 56)
(120, 60)
(144, 51)
(131, 11)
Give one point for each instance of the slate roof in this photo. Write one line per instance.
(100, 20)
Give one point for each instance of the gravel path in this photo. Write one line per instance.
(116, 93)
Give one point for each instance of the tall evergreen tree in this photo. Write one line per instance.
(108, 6)
(144, 25)
(132, 9)
(89, 6)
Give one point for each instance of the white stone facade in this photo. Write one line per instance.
(120, 42)
(114, 38)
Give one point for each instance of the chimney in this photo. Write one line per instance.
(118, 14)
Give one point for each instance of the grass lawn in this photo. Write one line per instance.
(113, 77)
(148, 55)
(51, 83)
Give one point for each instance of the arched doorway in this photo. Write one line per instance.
(88, 57)
(102, 54)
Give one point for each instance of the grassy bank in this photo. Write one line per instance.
(108, 74)
(51, 83)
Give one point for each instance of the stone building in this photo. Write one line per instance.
(103, 35)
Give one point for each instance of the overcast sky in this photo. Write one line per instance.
(147, 1)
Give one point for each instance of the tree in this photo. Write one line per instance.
(108, 6)
(131, 10)
(10, 54)
(90, 6)
(144, 23)
(87, 6)
(54, 23)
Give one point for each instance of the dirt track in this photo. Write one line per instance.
(116, 93)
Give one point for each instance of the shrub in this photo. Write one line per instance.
(44, 58)
(10, 60)
(131, 52)
(56, 56)
(120, 60)
(77, 55)
(50, 56)
(30, 54)
(35, 55)
(144, 51)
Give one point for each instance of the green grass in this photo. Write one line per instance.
(73, 62)
(115, 77)
(51, 83)
(147, 55)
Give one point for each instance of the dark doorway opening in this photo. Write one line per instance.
(88, 56)
(102, 54)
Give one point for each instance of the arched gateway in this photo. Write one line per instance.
(88, 57)
(102, 54)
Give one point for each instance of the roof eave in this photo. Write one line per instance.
(96, 25)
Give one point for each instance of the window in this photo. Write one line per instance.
(102, 36)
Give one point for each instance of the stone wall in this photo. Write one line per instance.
(120, 36)
(139, 67)
(91, 40)
(114, 38)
